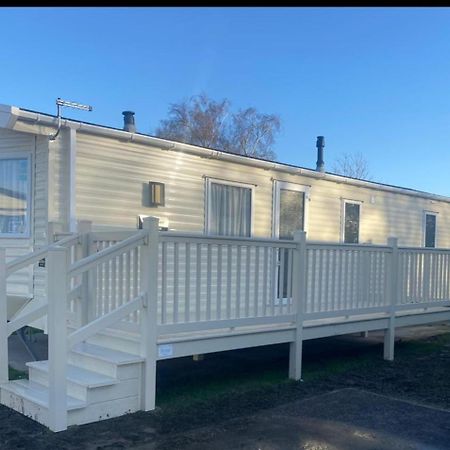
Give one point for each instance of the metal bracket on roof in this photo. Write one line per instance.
(60, 103)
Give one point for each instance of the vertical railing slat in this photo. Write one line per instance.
(238, 281)
(256, 288)
(175, 281)
(281, 279)
(208, 281)
(289, 282)
(265, 277)
(198, 282)
(4, 359)
(247, 281)
(229, 280)
(187, 283)
(164, 283)
(219, 283)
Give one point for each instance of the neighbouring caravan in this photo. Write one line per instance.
(106, 176)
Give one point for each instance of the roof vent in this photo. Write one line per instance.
(320, 144)
(128, 121)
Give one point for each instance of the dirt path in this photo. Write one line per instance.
(343, 419)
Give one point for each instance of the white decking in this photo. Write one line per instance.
(133, 299)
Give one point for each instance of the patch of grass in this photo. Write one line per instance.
(236, 376)
(15, 374)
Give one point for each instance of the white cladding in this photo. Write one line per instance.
(112, 178)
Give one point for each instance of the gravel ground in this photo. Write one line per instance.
(372, 404)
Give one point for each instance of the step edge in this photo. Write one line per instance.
(134, 360)
(109, 382)
(72, 402)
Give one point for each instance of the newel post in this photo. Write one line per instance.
(148, 282)
(57, 338)
(84, 228)
(4, 375)
(389, 333)
(298, 300)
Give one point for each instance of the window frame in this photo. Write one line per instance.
(208, 206)
(424, 227)
(344, 202)
(287, 185)
(28, 157)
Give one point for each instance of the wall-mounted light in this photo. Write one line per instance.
(157, 193)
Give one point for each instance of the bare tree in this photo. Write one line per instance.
(208, 123)
(253, 133)
(352, 165)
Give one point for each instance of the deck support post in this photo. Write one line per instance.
(298, 299)
(57, 338)
(84, 227)
(149, 279)
(4, 374)
(389, 333)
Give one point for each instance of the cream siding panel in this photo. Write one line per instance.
(58, 179)
(112, 179)
(41, 213)
(19, 283)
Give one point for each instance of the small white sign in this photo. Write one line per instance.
(165, 350)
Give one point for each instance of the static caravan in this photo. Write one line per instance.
(192, 250)
(110, 176)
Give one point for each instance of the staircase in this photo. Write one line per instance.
(93, 372)
(101, 383)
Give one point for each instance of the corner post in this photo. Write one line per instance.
(84, 228)
(4, 374)
(389, 333)
(298, 299)
(148, 282)
(57, 338)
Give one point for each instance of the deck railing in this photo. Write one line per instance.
(156, 283)
(207, 282)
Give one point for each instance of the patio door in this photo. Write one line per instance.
(289, 215)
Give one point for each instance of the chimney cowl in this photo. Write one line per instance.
(320, 144)
(128, 121)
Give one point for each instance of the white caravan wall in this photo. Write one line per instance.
(112, 183)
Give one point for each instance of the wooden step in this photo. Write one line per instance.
(37, 393)
(80, 382)
(31, 400)
(78, 375)
(112, 363)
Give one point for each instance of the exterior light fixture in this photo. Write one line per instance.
(157, 193)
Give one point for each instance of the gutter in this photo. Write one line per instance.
(9, 115)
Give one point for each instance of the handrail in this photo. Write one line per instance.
(108, 253)
(35, 256)
(172, 236)
(424, 250)
(106, 320)
(27, 318)
(345, 246)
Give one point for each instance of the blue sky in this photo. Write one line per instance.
(371, 80)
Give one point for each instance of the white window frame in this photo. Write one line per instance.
(277, 186)
(424, 227)
(28, 157)
(208, 200)
(344, 201)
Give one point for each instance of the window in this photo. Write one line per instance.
(229, 208)
(351, 222)
(14, 196)
(430, 230)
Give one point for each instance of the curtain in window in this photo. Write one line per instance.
(230, 212)
(13, 196)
